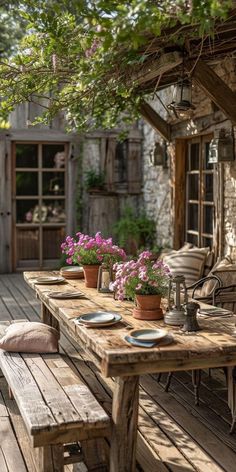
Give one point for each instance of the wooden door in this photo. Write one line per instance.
(195, 194)
(200, 204)
(39, 203)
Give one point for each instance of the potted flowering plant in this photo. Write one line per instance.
(90, 252)
(145, 281)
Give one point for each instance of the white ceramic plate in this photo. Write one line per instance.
(97, 317)
(49, 280)
(147, 334)
(101, 324)
(168, 339)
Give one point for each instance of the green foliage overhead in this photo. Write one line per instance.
(12, 27)
(78, 55)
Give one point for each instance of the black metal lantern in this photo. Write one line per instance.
(221, 148)
(182, 99)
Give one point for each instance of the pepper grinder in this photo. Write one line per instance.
(191, 323)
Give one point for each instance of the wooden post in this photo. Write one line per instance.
(48, 318)
(50, 458)
(124, 424)
(156, 121)
(214, 87)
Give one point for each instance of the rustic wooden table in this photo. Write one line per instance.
(213, 346)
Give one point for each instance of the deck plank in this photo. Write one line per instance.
(174, 435)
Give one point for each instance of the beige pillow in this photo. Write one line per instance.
(208, 263)
(30, 337)
(189, 263)
(220, 266)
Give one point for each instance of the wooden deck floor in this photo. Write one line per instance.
(174, 434)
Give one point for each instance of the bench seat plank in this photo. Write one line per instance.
(54, 403)
(80, 396)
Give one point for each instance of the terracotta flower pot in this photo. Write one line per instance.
(91, 275)
(147, 315)
(148, 307)
(148, 302)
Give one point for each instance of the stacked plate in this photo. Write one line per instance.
(72, 272)
(98, 319)
(148, 337)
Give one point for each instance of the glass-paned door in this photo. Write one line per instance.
(200, 205)
(39, 203)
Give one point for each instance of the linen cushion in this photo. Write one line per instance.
(30, 337)
(189, 263)
(218, 269)
(208, 263)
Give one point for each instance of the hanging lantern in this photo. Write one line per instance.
(182, 99)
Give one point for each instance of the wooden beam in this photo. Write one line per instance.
(156, 121)
(157, 67)
(216, 89)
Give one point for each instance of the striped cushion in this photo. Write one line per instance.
(189, 263)
(208, 263)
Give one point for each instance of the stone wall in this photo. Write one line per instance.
(206, 118)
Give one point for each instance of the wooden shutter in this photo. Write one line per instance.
(110, 163)
(134, 166)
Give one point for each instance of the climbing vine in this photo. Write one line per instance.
(79, 56)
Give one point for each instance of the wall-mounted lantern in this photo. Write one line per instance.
(158, 154)
(221, 147)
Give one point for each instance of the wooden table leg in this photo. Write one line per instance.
(124, 424)
(48, 318)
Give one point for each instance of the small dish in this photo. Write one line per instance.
(49, 280)
(148, 334)
(97, 317)
(116, 319)
(168, 339)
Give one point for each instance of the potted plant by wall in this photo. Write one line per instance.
(94, 181)
(135, 231)
(145, 281)
(90, 252)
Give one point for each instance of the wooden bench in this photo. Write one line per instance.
(56, 406)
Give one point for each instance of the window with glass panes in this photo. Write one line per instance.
(39, 203)
(200, 206)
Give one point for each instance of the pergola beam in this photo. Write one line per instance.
(214, 87)
(156, 121)
(157, 67)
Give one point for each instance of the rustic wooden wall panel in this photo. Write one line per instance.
(5, 205)
(179, 177)
(134, 166)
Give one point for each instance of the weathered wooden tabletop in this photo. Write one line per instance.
(213, 346)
